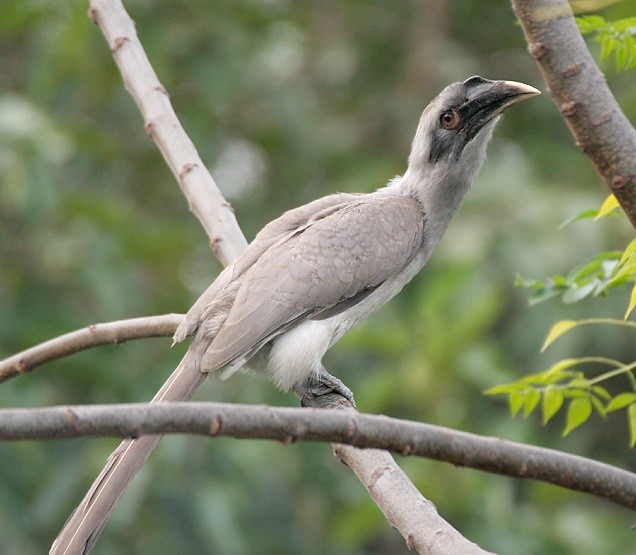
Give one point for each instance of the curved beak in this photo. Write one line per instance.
(486, 99)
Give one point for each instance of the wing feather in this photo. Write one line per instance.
(315, 268)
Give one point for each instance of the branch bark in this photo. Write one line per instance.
(289, 425)
(86, 523)
(577, 86)
(161, 123)
(471, 452)
(92, 336)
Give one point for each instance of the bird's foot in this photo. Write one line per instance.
(320, 385)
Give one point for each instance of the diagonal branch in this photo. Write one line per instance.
(205, 200)
(577, 86)
(92, 336)
(289, 425)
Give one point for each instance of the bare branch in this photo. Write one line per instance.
(600, 128)
(84, 526)
(161, 123)
(289, 425)
(406, 509)
(410, 513)
(92, 336)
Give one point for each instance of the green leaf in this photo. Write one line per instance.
(601, 392)
(628, 252)
(579, 411)
(632, 303)
(559, 367)
(503, 389)
(598, 405)
(621, 401)
(591, 213)
(590, 23)
(607, 45)
(621, 56)
(625, 273)
(552, 401)
(630, 44)
(557, 331)
(515, 402)
(579, 382)
(631, 419)
(609, 205)
(530, 401)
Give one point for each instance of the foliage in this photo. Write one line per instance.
(596, 277)
(618, 37)
(562, 383)
(603, 272)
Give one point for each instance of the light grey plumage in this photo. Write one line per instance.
(315, 272)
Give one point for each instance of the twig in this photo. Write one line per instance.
(92, 336)
(289, 425)
(599, 126)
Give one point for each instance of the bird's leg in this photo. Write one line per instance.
(321, 384)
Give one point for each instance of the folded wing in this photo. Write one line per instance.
(323, 267)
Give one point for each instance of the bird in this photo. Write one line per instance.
(314, 273)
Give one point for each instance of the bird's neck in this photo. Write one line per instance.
(440, 193)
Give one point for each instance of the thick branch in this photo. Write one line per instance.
(411, 514)
(85, 338)
(406, 509)
(289, 425)
(579, 90)
(161, 123)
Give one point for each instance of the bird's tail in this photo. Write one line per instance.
(87, 521)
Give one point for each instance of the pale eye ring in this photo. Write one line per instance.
(449, 119)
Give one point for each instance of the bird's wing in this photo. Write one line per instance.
(326, 265)
(289, 223)
(275, 231)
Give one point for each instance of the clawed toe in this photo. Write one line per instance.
(323, 384)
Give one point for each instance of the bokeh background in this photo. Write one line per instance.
(288, 101)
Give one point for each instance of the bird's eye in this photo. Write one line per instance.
(449, 119)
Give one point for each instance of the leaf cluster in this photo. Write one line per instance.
(562, 385)
(595, 277)
(614, 36)
(604, 271)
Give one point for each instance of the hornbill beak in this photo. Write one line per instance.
(486, 99)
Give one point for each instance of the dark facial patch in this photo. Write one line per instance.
(476, 100)
(442, 144)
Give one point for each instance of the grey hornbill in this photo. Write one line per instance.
(315, 272)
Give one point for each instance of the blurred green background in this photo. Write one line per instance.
(288, 101)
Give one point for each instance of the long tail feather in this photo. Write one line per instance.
(87, 521)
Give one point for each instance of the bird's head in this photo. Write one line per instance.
(456, 126)
(450, 143)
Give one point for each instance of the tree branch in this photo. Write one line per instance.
(406, 509)
(205, 200)
(92, 336)
(577, 86)
(289, 425)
